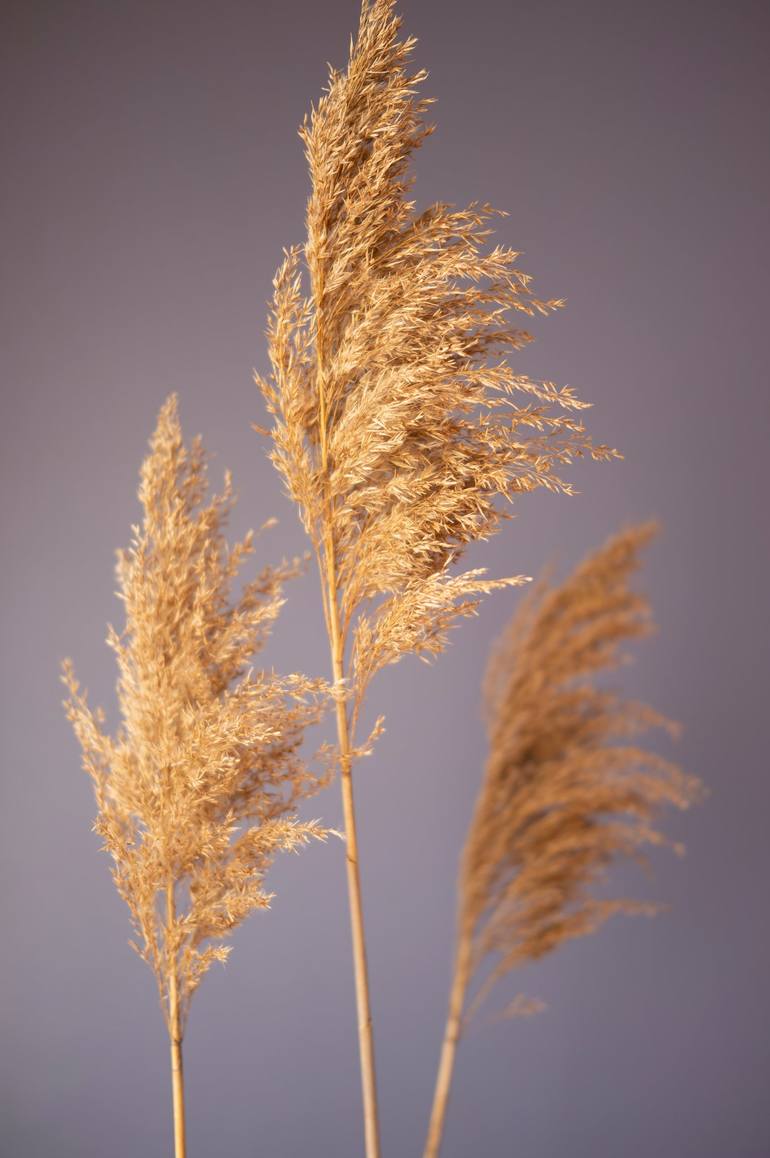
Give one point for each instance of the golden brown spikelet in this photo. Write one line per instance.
(197, 790)
(567, 789)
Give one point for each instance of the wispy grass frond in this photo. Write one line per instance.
(402, 428)
(198, 788)
(568, 790)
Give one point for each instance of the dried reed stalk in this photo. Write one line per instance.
(566, 791)
(198, 789)
(399, 424)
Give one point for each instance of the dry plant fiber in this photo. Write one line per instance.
(197, 790)
(567, 790)
(401, 429)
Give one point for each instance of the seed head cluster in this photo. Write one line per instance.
(568, 789)
(197, 790)
(400, 423)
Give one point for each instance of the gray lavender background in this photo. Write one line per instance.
(151, 176)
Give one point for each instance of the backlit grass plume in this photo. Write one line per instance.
(196, 791)
(401, 428)
(566, 791)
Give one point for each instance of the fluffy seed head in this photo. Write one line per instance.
(402, 429)
(568, 789)
(198, 788)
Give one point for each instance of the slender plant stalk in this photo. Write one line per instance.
(363, 1004)
(355, 901)
(452, 1031)
(175, 1038)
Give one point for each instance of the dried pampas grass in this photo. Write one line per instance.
(197, 791)
(401, 429)
(567, 790)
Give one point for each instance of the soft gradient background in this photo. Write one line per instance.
(151, 176)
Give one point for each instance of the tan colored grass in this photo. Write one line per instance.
(567, 790)
(402, 430)
(197, 790)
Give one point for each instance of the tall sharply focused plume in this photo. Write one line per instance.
(197, 791)
(401, 428)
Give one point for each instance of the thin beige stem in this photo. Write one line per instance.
(355, 902)
(175, 1039)
(452, 1031)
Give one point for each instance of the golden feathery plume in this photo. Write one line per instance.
(566, 791)
(400, 428)
(197, 791)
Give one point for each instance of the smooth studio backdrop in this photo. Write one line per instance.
(151, 176)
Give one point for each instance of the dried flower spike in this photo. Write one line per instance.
(197, 790)
(566, 791)
(401, 429)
